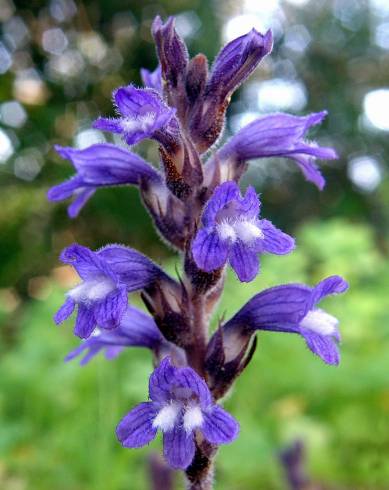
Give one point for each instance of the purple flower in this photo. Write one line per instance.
(107, 276)
(236, 61)
(136, 329)
(181, 404)
(232, 231)
(143, 114)
(232, 66)
(292, 308)
(152, 79)
(99, 165)
(172, 51)
(281, 135)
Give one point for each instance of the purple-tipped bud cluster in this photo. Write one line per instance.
(197, 207)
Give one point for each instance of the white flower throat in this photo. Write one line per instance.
(92, 290)
(138, 123)
(167, 417)
(245, 230)
(320, 322)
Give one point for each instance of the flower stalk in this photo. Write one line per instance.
(198, 209)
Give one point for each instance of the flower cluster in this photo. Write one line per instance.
(196, 205)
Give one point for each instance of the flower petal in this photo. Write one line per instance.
(209, 251)
(310, 170)
(160, 381)
(65, 311)
(87, 263)
(236, 61)
(82, 197)
(250, 205)
(221, 196)
(178, 448)
(136, 428)
(106, 164)
(280, 308)
(131, 267)
(188, 378)
(85, 322)
(275, 241)
(110, 124)
(219, 426)
(244, 261)
(324, 346)
(152, 79)
(329, 285)
(110, 310)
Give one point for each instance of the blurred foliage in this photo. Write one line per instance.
(58, 419)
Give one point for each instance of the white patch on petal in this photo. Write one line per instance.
(320, 322)
(193, 418)
(93, 290)
(139, 123)
(247, 231)
(226, 231)
(166, 417)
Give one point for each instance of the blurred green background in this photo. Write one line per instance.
(59, 61)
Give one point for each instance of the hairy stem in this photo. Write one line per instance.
(196, 351)
(200, 473)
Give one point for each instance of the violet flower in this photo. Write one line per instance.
(108, 275)
(233, 232)
(292, 308)
(136, 329)
(97, 166)
(181, 405)
(142, 114)
(152, 79)
(236, 61)
(281, 135)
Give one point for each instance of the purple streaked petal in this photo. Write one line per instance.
(244, 261)
(249, 205)
(272, 135)
(85, 322)
(143, 113)
(65, 189)
(65, 311)
(280, 308)
(330, 285)
(236, 61)
(152, 79)
(161, 380)
(278, 135)
(79, 202)
(112, 352)
(131, 267)
(110, 310)
(105, 164)
(275, 241)
(136, 428)
(178, 448)
(171, 49)
(136, 329)
(140, 329)
(221, 196)
(188, 378)
(209, 251)
(110, 124)
(322, 345)
(219, 426)
(87, 263)
(310, 170)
